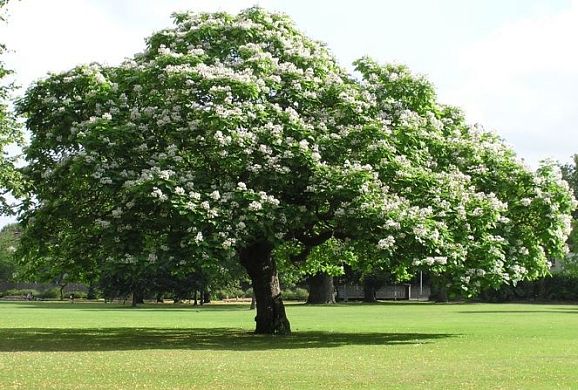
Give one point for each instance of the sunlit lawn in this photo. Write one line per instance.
(382, 346)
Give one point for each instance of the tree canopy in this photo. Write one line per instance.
(233, 135)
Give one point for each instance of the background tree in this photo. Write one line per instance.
(323, 263)
(9, 236)
(570, 174)
(231, 136)
(10, 134)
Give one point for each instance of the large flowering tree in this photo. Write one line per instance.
(231, 136)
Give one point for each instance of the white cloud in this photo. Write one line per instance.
(523, 80)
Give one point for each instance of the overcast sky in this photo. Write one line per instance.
(512, 65)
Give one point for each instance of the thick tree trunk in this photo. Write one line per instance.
(369, 293)
(261, 267)
(321, 290)
(137, 297)
(439, 290)
(91, 294)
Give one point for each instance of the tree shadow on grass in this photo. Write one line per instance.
(125, 339)
(551, 311)
(100, 306)
(183, 307)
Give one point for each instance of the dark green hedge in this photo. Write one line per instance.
(558, 287)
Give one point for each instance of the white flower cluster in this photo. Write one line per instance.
(158, 193)
(386, 243)
(431, 260)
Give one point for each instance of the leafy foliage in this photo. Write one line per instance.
(556, 287)
(8, 242)
(10, 134)
(570, 262)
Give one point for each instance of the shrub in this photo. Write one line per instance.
(296, 294)
(16, 292)
(228, 293)
(77, 294)
(52, 293)
(557, 287)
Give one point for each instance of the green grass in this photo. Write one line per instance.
(382, 346)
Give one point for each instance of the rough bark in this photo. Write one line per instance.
(137, 298)
(261, 267)
(369, 293)
(207, 297)
(91, 294)
(439, 290)
(321, 289)
(370, 286)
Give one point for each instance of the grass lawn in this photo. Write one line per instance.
(355, 346)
